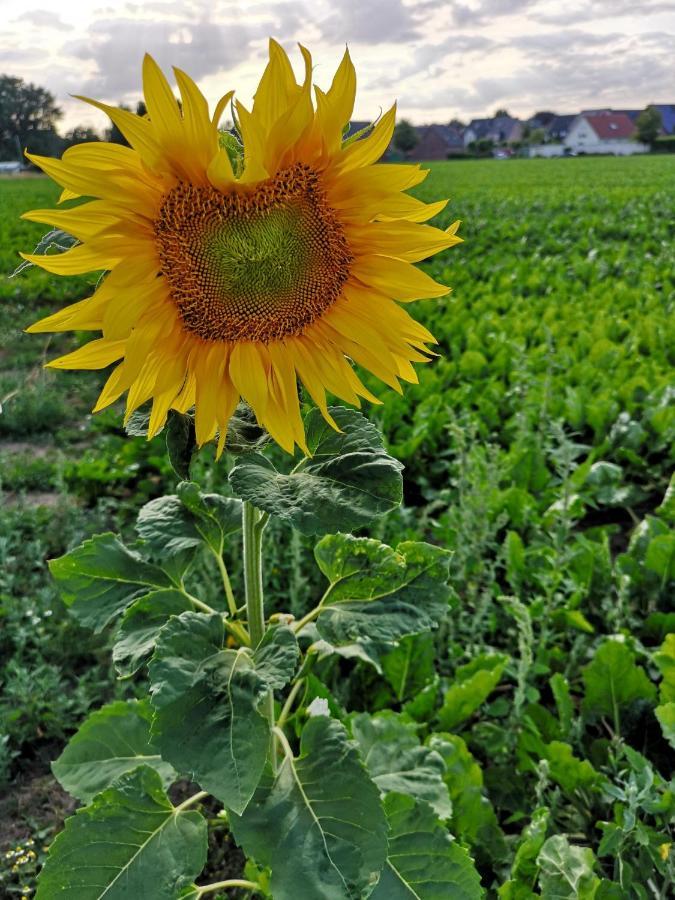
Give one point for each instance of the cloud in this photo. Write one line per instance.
(373, 22)
(42, 18)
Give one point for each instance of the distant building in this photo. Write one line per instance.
(499, 130)
(667, 111)
(437, 142)
(558, 127)
(604, 132)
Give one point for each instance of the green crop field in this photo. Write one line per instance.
(538, 447)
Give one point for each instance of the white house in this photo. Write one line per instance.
(604, 132)
(10, 168)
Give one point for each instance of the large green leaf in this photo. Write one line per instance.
(409, 667)
(378, 594)
(665, 660)
(472, 685)
(182, 521)
(206, 699)
(112, 741)
(140, 626)
(130, 842)
(319, 824)
(568, 771)
(392, 753)
(423, 863)
(349, 480)
(100, 578)
(181, 442)
(666, 716)
(276, 657)
(613, 680)
(566, 870)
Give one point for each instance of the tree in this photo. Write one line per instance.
(501, 113)
(406, 137)
(28, 116)
(81, 134)
(649, 125)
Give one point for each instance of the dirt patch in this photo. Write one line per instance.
(36, 451)
(33, 803)
(35, 499)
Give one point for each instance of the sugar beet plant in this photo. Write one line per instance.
(234, 268)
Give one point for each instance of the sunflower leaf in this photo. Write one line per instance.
(140, 626)
(424, 863)
(319, 824)
(101, 577)
(349, 479)
(129, 842)
(113, 740)
(206, 699)
(181, 442)
(378, 594)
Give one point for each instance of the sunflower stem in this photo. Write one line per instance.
(255, 606)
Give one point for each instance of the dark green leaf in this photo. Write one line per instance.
(181, 442)
(112, 741)
(380, 594)
(244, 435)
(276, 657)
(100, 578)
(319, 824)
(424, 863)
(206, 699)
(613, 680)
(349, 481)
(140, 625)
(392, 753)
(410, 667)
(472, 685)
(130, 842)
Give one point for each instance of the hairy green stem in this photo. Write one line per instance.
(229, 593)
(198, 604)
(224, 885)
(252, 527)
(290, 700)
(195, 798)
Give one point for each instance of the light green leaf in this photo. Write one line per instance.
(666, 716)
(349, 480)
(525, 867)
(378, 594)
(665, 660)
(472, 685)
(568, 771)
(613, 680)
(392, 753)
(566, 871)
(667, 508)
(140, 625)
(660, 557)
(410, 667)
(206, 699)
(473, 817)
(319, 824)
(113, 740)
(130, 842)
(424, 863)
(276, 657)
(100, 578)
(563, 701)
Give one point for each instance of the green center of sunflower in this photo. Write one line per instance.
(256, 265)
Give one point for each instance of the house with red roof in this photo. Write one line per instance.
(604, 131)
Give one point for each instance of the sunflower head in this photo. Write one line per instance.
(226, 282)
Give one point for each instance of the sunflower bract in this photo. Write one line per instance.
(221, 287)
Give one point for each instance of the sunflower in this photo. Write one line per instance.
(230, 279)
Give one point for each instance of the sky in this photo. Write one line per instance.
(439, 59)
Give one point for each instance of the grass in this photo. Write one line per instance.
(538, 446)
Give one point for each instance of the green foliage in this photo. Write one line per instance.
(614, 681)
(566, 870)
(471, 686)
(649, 124)
(129, 842)
(319, 823)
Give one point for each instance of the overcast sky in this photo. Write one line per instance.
(438, 58)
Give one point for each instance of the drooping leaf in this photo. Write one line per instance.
(409, 668)
(181, 442)
(129, 842)
(244, 434)
(113, 740)
(206, 699)
(666, 716)
(180, 522)
(140, 626)
(423, 863)
(665, 660)
(319, 824)
(276, 657)
(349, 480)
(392, 753)
(100, 578)
(613, 680)
(380, 594)
(566, 870)
(471, 686)
(473, 817)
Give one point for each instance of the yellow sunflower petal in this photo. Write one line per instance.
(94, 355)
(369, 149)
(398, 279)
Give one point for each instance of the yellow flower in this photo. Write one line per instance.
(225, 284)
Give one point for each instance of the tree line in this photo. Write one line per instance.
(29, 117)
